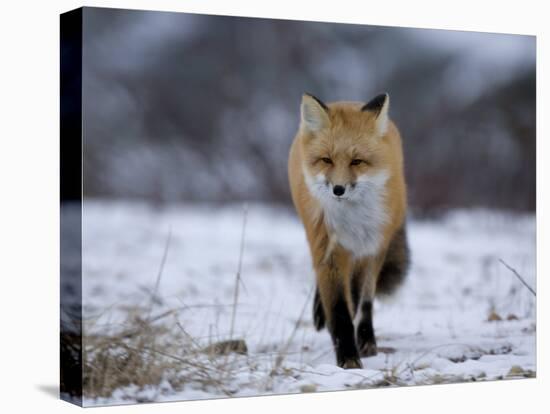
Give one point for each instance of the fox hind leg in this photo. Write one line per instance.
(366, 340)
(319, 319)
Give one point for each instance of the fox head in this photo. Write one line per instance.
(344, 148)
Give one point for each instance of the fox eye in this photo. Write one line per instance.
(326, 160)
(356, 162)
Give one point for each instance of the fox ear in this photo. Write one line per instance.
(314, 113)
(379, 106)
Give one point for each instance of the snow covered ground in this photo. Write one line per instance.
(435, 330)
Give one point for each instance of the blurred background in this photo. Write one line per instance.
(183, 107)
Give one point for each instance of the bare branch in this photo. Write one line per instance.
(519, 277)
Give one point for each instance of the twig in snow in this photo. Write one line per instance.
(159, 275)
(519, 277)
(238, 276)
(284, 350)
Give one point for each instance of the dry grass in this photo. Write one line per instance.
(119, 359)
(147, 354)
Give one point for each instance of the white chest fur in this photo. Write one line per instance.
(358, 220)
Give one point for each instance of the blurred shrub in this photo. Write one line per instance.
(182, 107)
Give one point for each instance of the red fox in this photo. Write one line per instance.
(346, 178)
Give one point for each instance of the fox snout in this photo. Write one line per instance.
(341, 191)
(341, 183)
(338, 190)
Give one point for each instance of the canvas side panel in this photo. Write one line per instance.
(71, 206)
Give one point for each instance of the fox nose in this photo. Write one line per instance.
(339, 190)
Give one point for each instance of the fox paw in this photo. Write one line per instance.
(352, 363)
(368, 350)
